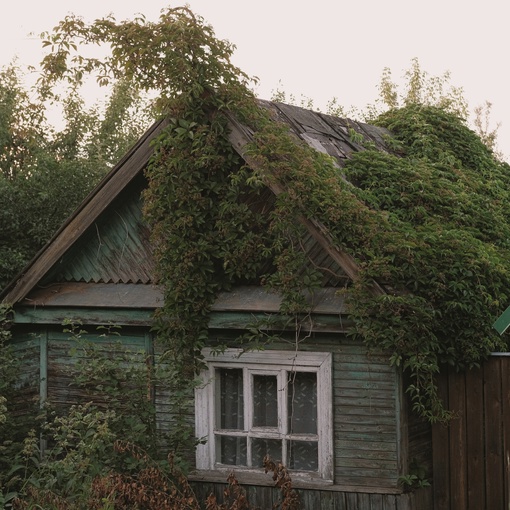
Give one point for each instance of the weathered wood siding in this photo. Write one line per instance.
(365, 417)
(27, 349)
(63, 351)
(419, 449)
(264, 498)
(366, 411)
(165, 411)
(370, 449)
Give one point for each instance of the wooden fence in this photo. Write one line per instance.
(471, 456)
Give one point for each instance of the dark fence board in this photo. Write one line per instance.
(440, 461)
(458, 462)
(493, 436)
(474, 444)
(505, 389)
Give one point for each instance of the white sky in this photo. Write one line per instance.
(320, 49)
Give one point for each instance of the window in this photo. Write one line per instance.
(266, 402)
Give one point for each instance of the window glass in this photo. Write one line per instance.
(302, 402)
(231, 399)
(265, 401)
(303, 455)
(233, 450)
(263, 447)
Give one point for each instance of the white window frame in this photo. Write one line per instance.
(272, 363)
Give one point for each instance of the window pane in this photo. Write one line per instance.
(232, 450)
(265, 401)
(303, 455)
(231, 396)
(262, 447)
(302, 403)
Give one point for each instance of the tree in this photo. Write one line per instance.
(45, 172)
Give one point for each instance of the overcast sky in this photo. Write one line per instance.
(320, 49)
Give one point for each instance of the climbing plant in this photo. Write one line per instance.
(427, 219)
(444, 198)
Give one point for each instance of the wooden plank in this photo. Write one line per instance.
(365, 365)
(246, 320)
(493, 435)
(377, 480)
(43, 369)
(351, 501)
(389, 502)
(327, 501)
(474, 440)
(458, 454)
(379, 435)
(368, 401)
(402, 425)
(354, 396)
(258, 299)
(364, 500)
(441, 451)
(363, 371)
(505, 389)
(340, 501)
(91, 316)
(111, 295)
(363, 447)
(310, 499)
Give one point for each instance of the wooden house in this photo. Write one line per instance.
(354, 436)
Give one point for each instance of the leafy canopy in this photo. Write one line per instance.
(46, 172)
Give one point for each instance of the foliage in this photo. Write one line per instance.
(290, 498)
(445, 209)
(421, 89)
(152, 487)
(427, 220)
(118, 379)
(106, 441)
(194, 79)
(106, 454)
(77, 453)
(235, 497)
(417, 477)
(482, 124)
(8, 371)
(45, 172)
(13, 427)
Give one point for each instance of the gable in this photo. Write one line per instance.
(114, 249)
(129, 169)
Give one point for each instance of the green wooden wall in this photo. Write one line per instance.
(371, 425)
(369, 450)
(27, 348)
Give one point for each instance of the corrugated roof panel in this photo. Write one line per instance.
(114, 249)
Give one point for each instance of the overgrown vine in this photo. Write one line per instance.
(428, 219)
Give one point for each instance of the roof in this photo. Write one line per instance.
(324, 133)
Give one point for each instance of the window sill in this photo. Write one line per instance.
(258, 477)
